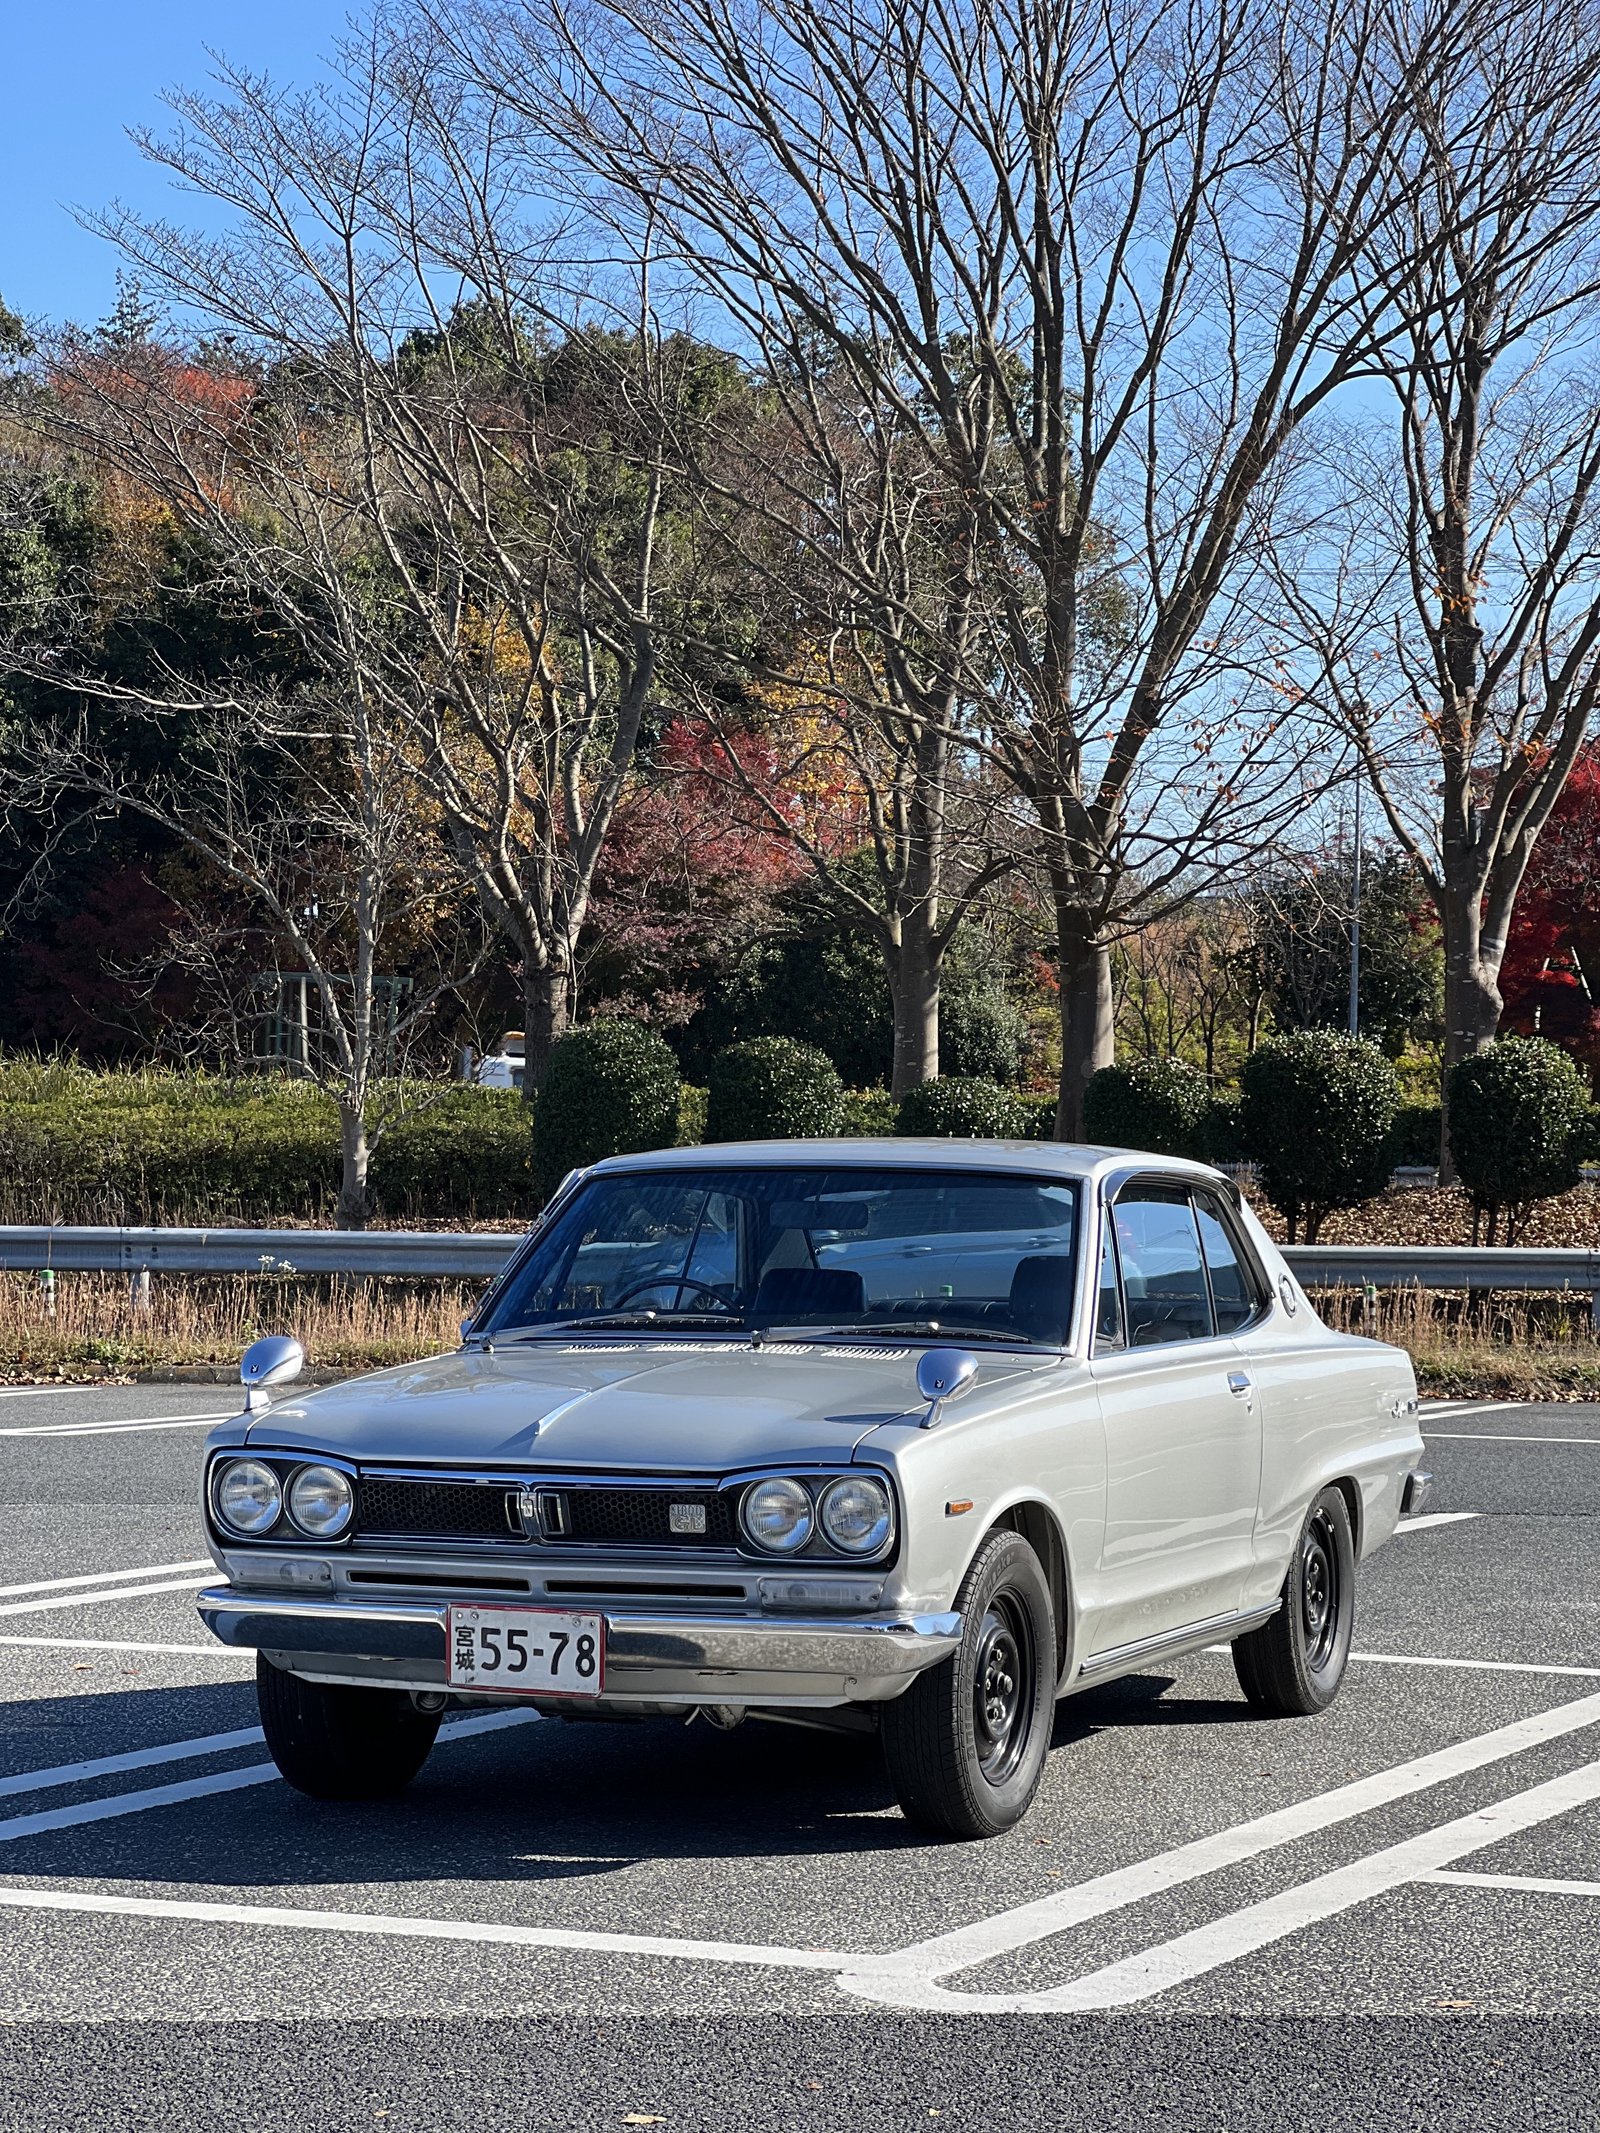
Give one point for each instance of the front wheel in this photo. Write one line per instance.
(966, 1743)
(1291, 1667)
(339, 1743)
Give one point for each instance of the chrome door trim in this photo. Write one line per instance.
(1174, 1643)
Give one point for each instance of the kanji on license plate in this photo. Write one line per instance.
(526, 1651)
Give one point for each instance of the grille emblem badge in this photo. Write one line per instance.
(542, 1513)
(686, 1518)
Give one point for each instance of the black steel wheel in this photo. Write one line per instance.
(339, 1743)
(1292, 1665)
(966, 1744)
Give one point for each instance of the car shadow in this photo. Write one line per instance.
(551, 1802)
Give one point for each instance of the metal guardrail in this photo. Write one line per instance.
(416, 1252)
(481, 1254)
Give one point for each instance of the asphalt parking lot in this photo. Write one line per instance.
(1386, 1916)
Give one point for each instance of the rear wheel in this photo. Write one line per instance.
(966, 1743)
(1291, 1667)
(339, 1743)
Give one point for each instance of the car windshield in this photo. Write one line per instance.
(917, 1252)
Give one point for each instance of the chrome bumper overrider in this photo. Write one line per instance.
(650, 1657)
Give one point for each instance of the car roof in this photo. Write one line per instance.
(1051, 1159)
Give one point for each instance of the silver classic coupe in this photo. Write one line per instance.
(911, 1435)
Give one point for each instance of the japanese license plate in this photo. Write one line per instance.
(526, 1651)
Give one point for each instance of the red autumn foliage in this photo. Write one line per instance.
(692, 868)
(1550, 978)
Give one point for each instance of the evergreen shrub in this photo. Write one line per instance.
(960, 1107)
(773, 1088)
(1148, 1104)
(1519, 1123)
(609, 1088)
(1317, 1119)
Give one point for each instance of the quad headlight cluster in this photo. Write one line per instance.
(783, 1515)
(249, 1498)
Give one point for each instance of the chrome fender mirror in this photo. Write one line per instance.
(944, 1374)
(273, 1361)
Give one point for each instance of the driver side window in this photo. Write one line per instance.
(1163, 1274)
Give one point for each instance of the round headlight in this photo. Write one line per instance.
(321, 1501)
(856, 1514)
(249, 1496)
(777, 1515)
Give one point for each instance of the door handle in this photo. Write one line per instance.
(1240, 1384)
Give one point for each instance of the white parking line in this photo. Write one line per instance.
(1430, 1408)
(116, 1429)
(1535, 1884)
(909, 1977)
(99, 1644)
(1485, 1436)
(1191, 1955)
(96, 1599)
(106, 1577)
(172, 1751)
(458, 1929)
(153, 1796)
(1435, 1518)
(1486, 1666)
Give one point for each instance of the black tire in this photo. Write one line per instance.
(340, 1743)
(966, 1743)
(1291, 1667)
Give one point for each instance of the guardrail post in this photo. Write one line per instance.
(139, 1292)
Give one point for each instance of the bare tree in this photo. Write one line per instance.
(303, 808)
(1101, 262)
(488, 429)
(1448, 596)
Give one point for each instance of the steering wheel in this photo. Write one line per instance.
(727, 1298)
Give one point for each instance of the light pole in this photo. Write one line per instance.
(1355, 921)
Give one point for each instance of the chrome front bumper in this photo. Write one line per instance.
(651, 1658)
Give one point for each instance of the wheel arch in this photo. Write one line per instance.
(1039, 1527)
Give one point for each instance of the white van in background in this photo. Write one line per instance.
(501, 1068)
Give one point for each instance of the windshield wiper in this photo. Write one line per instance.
(621, 1321)
(939, 1326)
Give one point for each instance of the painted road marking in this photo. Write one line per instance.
(1192, 1955)
(153, 1796)
(116, 1429)
(101, 1644)
(460, 1929)
(96, 1599)
(107, 1577)
(1484, 1436)
(1487, 1666)
(1534, 1884)
(173, 1751)
(1435, 1518)
(1429, 1408)
(908, 1978)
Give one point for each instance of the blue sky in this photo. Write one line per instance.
(76, 75)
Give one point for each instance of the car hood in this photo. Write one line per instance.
(664, 1405)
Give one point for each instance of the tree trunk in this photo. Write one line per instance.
(1088, 1033)
(1472, 1001)
(914, 970)
(353, 1159)
(547, 1016)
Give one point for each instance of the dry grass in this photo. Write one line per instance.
(1506, 1348)
(1511, 1348)
(96, 1330)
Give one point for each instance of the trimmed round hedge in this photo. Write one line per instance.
(1317, 1118)
(1153, 1105)
(960, 1107)
(1519, 1123)
(610, 1088)
(773, 1088)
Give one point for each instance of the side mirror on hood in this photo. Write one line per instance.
(273, 1361)
(944, 1374)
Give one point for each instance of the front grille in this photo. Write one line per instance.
(641, 1516)
(389, 1507)
(436, 1510)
